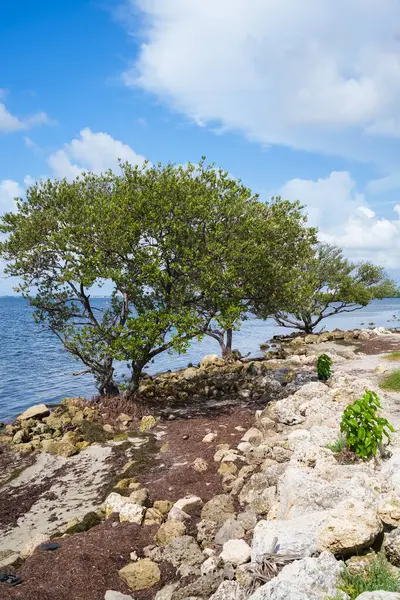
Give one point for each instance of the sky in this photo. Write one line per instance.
(297, 98)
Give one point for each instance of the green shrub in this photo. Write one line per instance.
(391, 382)
(362, 427)
(377, 576)
(324, 364)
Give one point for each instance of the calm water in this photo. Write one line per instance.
(35, 368)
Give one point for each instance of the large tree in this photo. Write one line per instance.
(330, 284)
(182, 249)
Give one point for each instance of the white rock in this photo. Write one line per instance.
(211, 360)
(39, 411)
(252, 435)
(379, 596)
(189, 504)
(111, 595)
(131, 512)
(176, 514)
(210, 437)
(229, 590)
(306, 579)
(210, 565)
(244, 447)
(296, 536)
(349, 527)
(236, 552)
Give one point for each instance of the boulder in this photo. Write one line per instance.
(153, 517)
(166, 592)
(163, 506)
(348, 528)
(21, 436)
(211, 360)
(258, 493)
(200, 465)
(203, 587)
(236, 552)
(59, 448)
(183, 550)
(169, 531)
(392, 547)
(140, 575)
(39, 411)
(389, 510)
(296, 536)
(132, 512)
(306, 579)
(218, 509)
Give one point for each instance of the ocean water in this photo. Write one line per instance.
(34, 367)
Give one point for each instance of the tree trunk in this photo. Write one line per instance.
(107, 385)
(227, 347)
(137, 368)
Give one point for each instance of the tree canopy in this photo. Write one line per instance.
(331, 284)
(186, 250)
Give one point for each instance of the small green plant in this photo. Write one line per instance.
(337, 446)
(377, 576)
(324, 364)
(362, 427)
(391, 382)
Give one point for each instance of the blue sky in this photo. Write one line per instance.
(302, 101)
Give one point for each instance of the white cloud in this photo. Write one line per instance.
(94, 152)
(9, 189)
(313, 75)
(10, 123)
(344, 218)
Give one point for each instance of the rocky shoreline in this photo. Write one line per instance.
(228, 477)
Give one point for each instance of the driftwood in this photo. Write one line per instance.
(268, 566)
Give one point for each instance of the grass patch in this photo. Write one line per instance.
(379, 575)
(337, 446)
(391, 382)
(393, 356)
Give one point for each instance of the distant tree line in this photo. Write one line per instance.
(189, 252)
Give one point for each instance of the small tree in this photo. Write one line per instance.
(330, 284)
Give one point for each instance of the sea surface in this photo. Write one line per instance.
(35, 368)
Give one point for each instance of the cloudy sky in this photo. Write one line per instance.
(297, 97)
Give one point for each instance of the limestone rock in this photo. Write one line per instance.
(111, 595)
(236, 552)
(183, 550)
(392, 547)
(230, 590)
(148, 422)
(211, 360)
(131, 512)
(153, 517)
(21, 436)
(189, 504)
(230, 530)
(306, 579)
(176, 514)
(389, 510)
(200, 465)
(253, 435)
(140, 575)
(139, 496)
(211, 565)
(164, 506)
(210, 437)
(169, 531)
(39, 411)
(295, 536)
(258, 493)
(348, 528)
(166, 592)
(59, 448)
(203, 587)
(247, 519)
(218, 509)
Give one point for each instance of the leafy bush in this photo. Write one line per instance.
(362, 427)
(324, 364)
(391, 382)
(377, 576)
